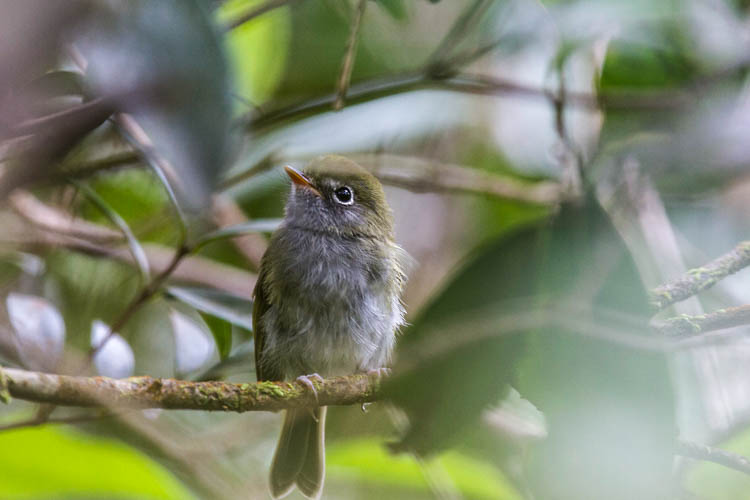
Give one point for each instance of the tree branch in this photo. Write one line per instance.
(472, 84)
(701, 278)
(347, 64)
(715, 455)
(148, 392)
(424, 175)
(685, 325)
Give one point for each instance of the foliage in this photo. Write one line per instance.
(547, 162)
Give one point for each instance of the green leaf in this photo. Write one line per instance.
(51, 462)
(366, 461)
(395, 8)
(235, 310)
(258, 49)
(222, 332)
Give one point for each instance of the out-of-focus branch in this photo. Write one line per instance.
(715, 455)
(637, 212)
(473, 84)
(703, 323)
(421, 175)
(36, 422)
(463, 25)
(570, 157)
(347, 64)
(54, 136)
(148, 392)
(54, 228)
(47, 218)
(701, 278)
(226, 213)
(146, 293)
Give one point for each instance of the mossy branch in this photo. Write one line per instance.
(149, 392)
(686, 325)
(701, 278)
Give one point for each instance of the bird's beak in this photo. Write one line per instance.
(300, 179)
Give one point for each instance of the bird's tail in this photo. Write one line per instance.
(300, 454)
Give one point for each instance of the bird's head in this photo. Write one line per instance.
(334, 194)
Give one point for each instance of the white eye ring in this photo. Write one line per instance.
(344, 195)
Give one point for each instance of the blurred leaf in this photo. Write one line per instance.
(139, 255)
(176, 87)
(517, 417)
(464, 350)
(367, 461)
(236, 310)
(56, 83)
(258, 49)
(608, 398)
(137, 196)
(40, 330)
(115, 358)
(222, 332)
(31, 37)
(395, 8)
(631, 66)
(444, 391)
(193, 346)
(74, 464)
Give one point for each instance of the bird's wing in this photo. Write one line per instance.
(260, 306)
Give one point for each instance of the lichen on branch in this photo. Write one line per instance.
(701, 278)
(149, 392)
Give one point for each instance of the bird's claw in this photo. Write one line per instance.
(307, 381)
(380, 373)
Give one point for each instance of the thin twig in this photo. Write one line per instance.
(423, 175)
(701, 278)
(60, 118)
(139, 255)
(47, 218)
(82, 236)
(146, 293)
(715, 455)
(570, 157)
(164, 170)
(148, 392)
(93, 167)
(686, 325)
(473, 84)
(347, 65)
(226, 213)
(463, 25)
(36, 422)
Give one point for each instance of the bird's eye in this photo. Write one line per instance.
(344, 195)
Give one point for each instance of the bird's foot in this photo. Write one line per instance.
(380, 373)
(307, 381)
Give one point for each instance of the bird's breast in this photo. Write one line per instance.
(335, 310)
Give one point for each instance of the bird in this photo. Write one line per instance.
(327, 301)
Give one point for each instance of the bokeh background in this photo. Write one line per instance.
(547, 162)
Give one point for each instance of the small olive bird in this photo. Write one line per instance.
(327, 301)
